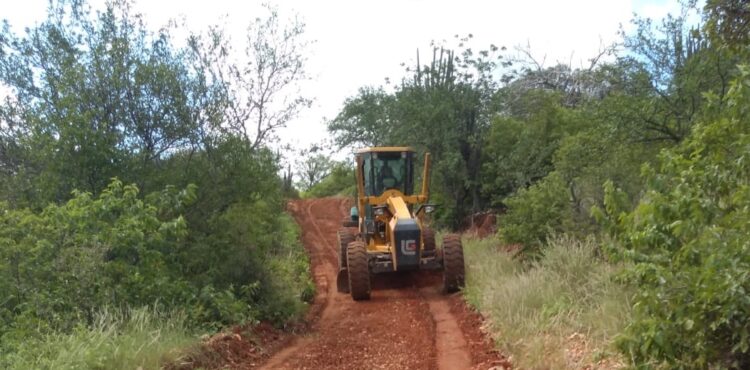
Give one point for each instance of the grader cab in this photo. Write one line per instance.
(392, 234)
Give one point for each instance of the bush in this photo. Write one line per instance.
(688, 240)
(63, 264)
(536, 212)
(539, 309)
(59, 267)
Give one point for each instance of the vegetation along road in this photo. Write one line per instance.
(153, 216)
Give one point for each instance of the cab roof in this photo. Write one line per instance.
(382, 149)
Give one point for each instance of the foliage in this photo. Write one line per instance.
(442, 107)
(366, 119)
(339, 182)
(520, 146)
(727, 23)
(313, 166)
(541, 312)
(199, 228)
(66, 262)
(535, 212)
(687, 237)
(94, 97)
(681, 65)
(61, 266)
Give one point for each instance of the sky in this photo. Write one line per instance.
(360, 43)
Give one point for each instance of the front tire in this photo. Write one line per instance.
(342, 279)
(453, 263)
(359, 270)
(428, 240)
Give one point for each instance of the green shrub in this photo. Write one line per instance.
(289, 287)
(535, 212)
(59, 267)
(535, 307)
(688, 239)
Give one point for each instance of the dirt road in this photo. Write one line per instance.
(407, 324)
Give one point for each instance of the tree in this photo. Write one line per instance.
(260, 93)
(88, 93)
(312, 167)
(520, 144)
(681, 65)
(366, 119)
(443, 107)
(687, 241)
(576, 85)
(728, 22)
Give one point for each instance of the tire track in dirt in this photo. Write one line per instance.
(407, 324)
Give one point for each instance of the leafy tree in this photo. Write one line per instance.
(339, 182)
(366, 119)
(97, 96)
(520, 144)
(444, 107)
(68, 261)
(728, 22)
(88, 92)
(312, 167)
(687, 237)
(680, 65)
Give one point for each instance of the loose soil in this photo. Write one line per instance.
(407, 324)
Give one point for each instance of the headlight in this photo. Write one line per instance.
(429, 208)
(379, 211)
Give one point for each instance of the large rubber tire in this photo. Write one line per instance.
(342, 277)
(345, 237)
(428, 237)
(453, 263)
(359, 270)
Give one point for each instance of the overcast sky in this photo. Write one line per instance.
(359, 43)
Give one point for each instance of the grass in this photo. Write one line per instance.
(135, 339)
(558, 312)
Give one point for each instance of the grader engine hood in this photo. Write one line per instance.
(406, 237)
(405, 234)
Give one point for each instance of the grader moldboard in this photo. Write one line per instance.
(392, 234)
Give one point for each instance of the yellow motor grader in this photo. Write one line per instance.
(392, 234)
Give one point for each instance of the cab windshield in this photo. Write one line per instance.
(388, 170)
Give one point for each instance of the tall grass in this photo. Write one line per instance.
(133, 339)
(560, 311)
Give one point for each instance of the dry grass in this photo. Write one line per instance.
(136, 339)
(559, 312)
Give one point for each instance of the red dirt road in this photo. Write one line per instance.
(407, 324)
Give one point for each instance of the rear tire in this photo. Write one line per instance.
(428, 238)
(345, 237)
(453, 263)
(342, 280)
(359, 270)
